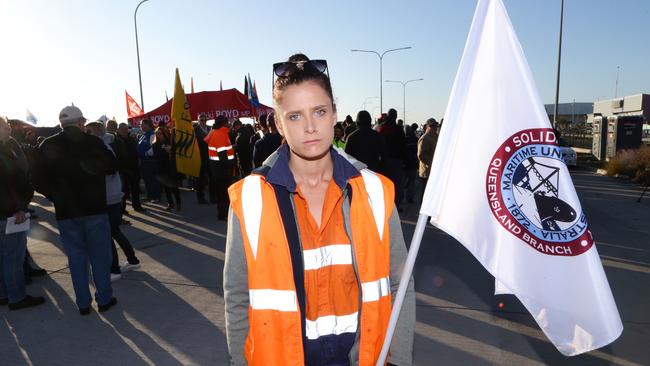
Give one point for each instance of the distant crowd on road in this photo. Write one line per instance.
(91, 168)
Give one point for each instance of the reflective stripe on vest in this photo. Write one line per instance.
(374, 290)
(252, 206)
(251, 197)
(331, 324)
(216, 158)
(376, 198)
(328, 255)
(280, 300)
(219, 149)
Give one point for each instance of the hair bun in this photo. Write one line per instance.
(298, 57)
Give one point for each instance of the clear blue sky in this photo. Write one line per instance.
(58, 52)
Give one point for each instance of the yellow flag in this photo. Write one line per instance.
(188, 157)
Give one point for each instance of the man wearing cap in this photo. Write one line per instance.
(426, 148)
(201, 130)
(70, 171)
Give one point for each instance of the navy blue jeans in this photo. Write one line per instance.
(12, 254)
(149, 169)
(115, 219)
(88, 239)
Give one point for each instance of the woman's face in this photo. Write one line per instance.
(306, 119)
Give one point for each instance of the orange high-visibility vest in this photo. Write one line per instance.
(218, 140)
(275, 335)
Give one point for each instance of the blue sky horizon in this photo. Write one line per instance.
(79, 51)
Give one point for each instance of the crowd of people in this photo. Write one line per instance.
(61, 169)
(403, 153)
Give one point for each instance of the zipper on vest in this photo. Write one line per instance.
(302, 257)
(348, 232)
(303, 316)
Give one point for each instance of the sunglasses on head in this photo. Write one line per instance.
(288, 68)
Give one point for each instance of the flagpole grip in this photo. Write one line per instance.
(403, 285)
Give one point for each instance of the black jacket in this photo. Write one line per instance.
(131, 161)
(71, 172)
(243, 146)
(369, 147)
(394, 137)
(203, 146)
(15, 189)
(266, 146)
(411, 161)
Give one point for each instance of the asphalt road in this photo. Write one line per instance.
(171, 311)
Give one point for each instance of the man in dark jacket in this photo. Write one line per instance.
(201, 130)
(15, 194)
(148, 162)
(129, 167)
(366, 145)
(71, 170)
(411, 163)
(394, 137)
(244, 150)
(260, 130)
(267, 145)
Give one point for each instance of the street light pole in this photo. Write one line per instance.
(618, 70)
(137, 50)
(365, 102)
(573, 112)
(404, 83)
(381, 77)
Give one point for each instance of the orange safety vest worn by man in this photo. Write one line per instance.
(299, 294)
(222, 162)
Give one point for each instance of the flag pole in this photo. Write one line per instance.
(403, 285)
(559, 60)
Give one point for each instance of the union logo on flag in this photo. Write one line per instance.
(524, 187)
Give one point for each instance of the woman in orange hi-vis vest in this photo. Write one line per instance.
(314, 247)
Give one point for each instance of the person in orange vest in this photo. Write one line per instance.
(314, 245)
(222, 161)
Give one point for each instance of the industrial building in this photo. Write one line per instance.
(633, 105)
(577, 112)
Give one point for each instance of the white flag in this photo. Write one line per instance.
(499, 186)
(31, 118)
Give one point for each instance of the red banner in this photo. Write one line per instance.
(132, 107)
(230, 103)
